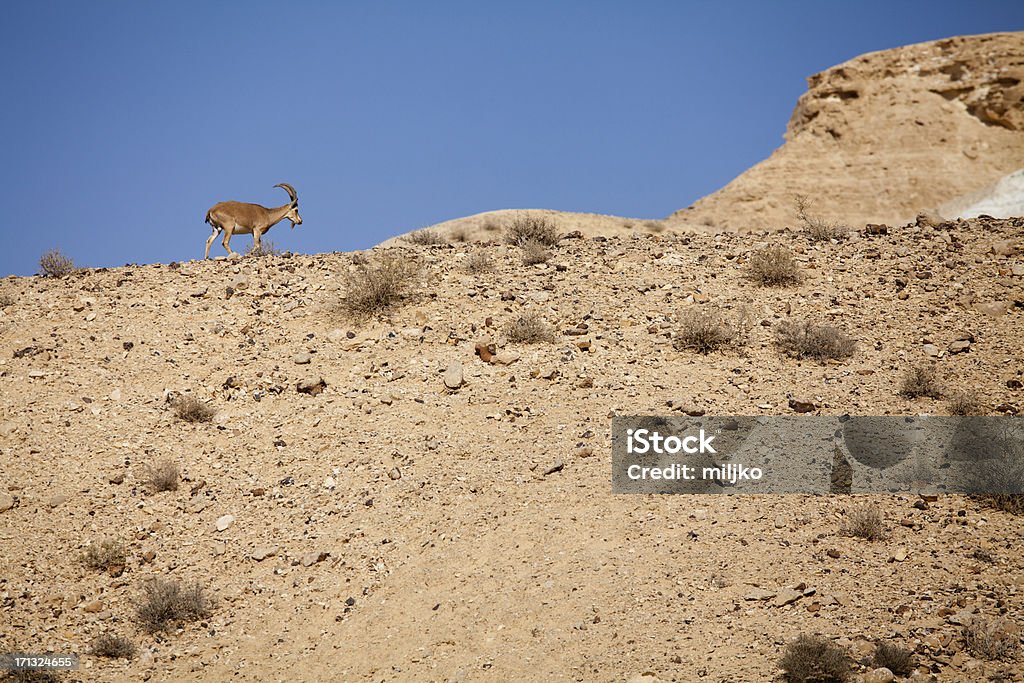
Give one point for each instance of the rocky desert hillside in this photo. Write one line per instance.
(877, 139)
(884, 136)
(424, 492)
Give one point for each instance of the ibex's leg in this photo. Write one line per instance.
(256, 247)
(209, 241)
(227, 238)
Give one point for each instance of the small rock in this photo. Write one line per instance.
(311, 385)
(329, 482)
(57, 500)
(880, 675)
(263, 552)
(6, 502)
(787, 596)
(504, 358)
(993, 309)
(900, 555)
(759, 594)
(116, 478)
(201, 292)
(93, 607)
(1004, 248)
(801, 406)
(485, 351)
(311, 558)
(224, 522)
(395, 474)
(931, 350)
(148, 556)
(115, 395)
(302, 358)
(959, 346)
(557, 466)
(336, 335)
(453, 376)
(780, 522)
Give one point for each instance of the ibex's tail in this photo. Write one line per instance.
(208, 217)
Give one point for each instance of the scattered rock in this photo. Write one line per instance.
(302, 358)
(312, 385)
(263, 552)
(993, 308)
(57, 500)
(453, 376)
(801, 406)
(311, 558)
(486, 351)
(787, 596)
(959, 346)
(880, 675)
(505, 358)
(1004, 248)
(93, 606)
(223, 523)
(557, 466)
(6, 502)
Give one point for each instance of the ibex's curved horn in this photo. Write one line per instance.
(290, 190)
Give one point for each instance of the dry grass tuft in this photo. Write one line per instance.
(704, 331)
(374, 288)
(896, 659)
(113, 646)
(814, 659)
(266, 248)
(163, 476)
(190, 409)
(864, 522)
(965, 403)
(6, 299)
(774, 267)
(55, 264)
(424, 238)
(528, 228)
(817, 228)
(165, 602)
(806, 340)
(656, 227)
(529, 329)
(479, 262)
(534, 252)
(991, 639)
(920, 380)
(105, 555)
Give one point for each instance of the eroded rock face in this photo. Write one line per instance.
(886, 135)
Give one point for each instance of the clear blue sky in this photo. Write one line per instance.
(123, 122)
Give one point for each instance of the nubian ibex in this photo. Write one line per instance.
(241, 218)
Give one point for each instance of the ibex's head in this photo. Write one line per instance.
(292, 215)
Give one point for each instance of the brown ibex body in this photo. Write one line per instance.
(241, 218)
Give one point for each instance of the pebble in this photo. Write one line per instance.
(57, 500)
(993, 309)
(330, 482)
(880, 675)
(787, 596)
(504, 358)
(263, 552)
(93, 607)
(931, 350)
(6, 502)
(223, 523)
(311, 558)
(453, 376)
(959, 346)
(801, 406)
(302, 358)
(312, 385)
(557, 466)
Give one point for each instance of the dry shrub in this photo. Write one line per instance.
(459, 234)
(33, 676)
(479, 262)
(704, 331)
(104, 555)
(896, 659)
(655, 226)
(528, 228)
(424, 238)
(55, 264)
(806, 340)
(965, 403)
(534, 252)
(113, 646)
(165, 602)
(529, 329)
(983, 555)
(774, 267)
(1012, 503)
(864, 522)
(817, 228)
(6, 299)
(266, 248)
(814, 659)
(190, 409)
(374, 288)
(491, 225)
(992, 639)
(163, 476)
(920, 380)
